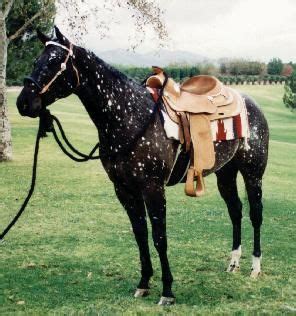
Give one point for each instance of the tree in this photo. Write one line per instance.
(275, 66)
(223, 68)
(194, 71)
(290, 92)
(16, 17)
(287, 70)
(144, 12)
(208, 69)
(24, 49)
(238, 67)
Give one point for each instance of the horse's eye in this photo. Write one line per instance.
(52, 62)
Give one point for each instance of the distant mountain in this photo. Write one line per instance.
(160, 58)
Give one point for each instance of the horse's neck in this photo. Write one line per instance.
(118, 106)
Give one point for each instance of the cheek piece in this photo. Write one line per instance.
(63, 68)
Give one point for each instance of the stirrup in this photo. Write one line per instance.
(199, 189)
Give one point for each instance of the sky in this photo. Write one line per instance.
(254, 29)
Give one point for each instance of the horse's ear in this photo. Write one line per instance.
(42, 37)
(60, 37)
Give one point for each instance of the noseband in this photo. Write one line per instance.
(63, 68)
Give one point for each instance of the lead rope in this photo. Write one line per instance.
(46, 125)
(33, 181)
(84, 157)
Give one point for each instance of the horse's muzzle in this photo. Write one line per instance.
(29, 106)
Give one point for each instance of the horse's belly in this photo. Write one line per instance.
(224, 152)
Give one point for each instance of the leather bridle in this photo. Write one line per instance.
(63, 68)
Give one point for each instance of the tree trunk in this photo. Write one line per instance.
(5, 132)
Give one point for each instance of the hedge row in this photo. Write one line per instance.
(180, 74)
(268, 79)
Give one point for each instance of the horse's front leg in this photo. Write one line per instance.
(132, 201)
(154, 198)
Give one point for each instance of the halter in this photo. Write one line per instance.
(63, 68)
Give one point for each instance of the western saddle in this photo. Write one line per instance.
(193, 105)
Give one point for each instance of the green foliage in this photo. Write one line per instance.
(208, 69)
(287, 70)
(21, 55)
(178, 73)
(194, 71)
(223, 68)
(232, 71)
(183, 72)
(137, 73)
(238, 67)
(290, 92)
(275, 66)
(23, 50)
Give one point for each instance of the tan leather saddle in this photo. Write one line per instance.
(193, 105)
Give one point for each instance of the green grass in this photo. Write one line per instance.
(72, 251)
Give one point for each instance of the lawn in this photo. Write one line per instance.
(73, 252)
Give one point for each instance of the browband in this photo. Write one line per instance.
(70, 50)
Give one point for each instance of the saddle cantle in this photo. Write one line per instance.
(193, 105)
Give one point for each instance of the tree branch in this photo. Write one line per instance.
(7, 6)
(30, 21)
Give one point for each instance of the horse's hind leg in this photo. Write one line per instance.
(226, 180)
(134, 204)
(254, 191)
(252, 162)
(252, 165)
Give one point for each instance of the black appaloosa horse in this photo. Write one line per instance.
(136, 153)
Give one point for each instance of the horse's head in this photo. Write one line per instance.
(54, 76)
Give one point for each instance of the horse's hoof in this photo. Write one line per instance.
(233, 268)
(256, 267)
(255, 274)
(166, 301)
(141, 292)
